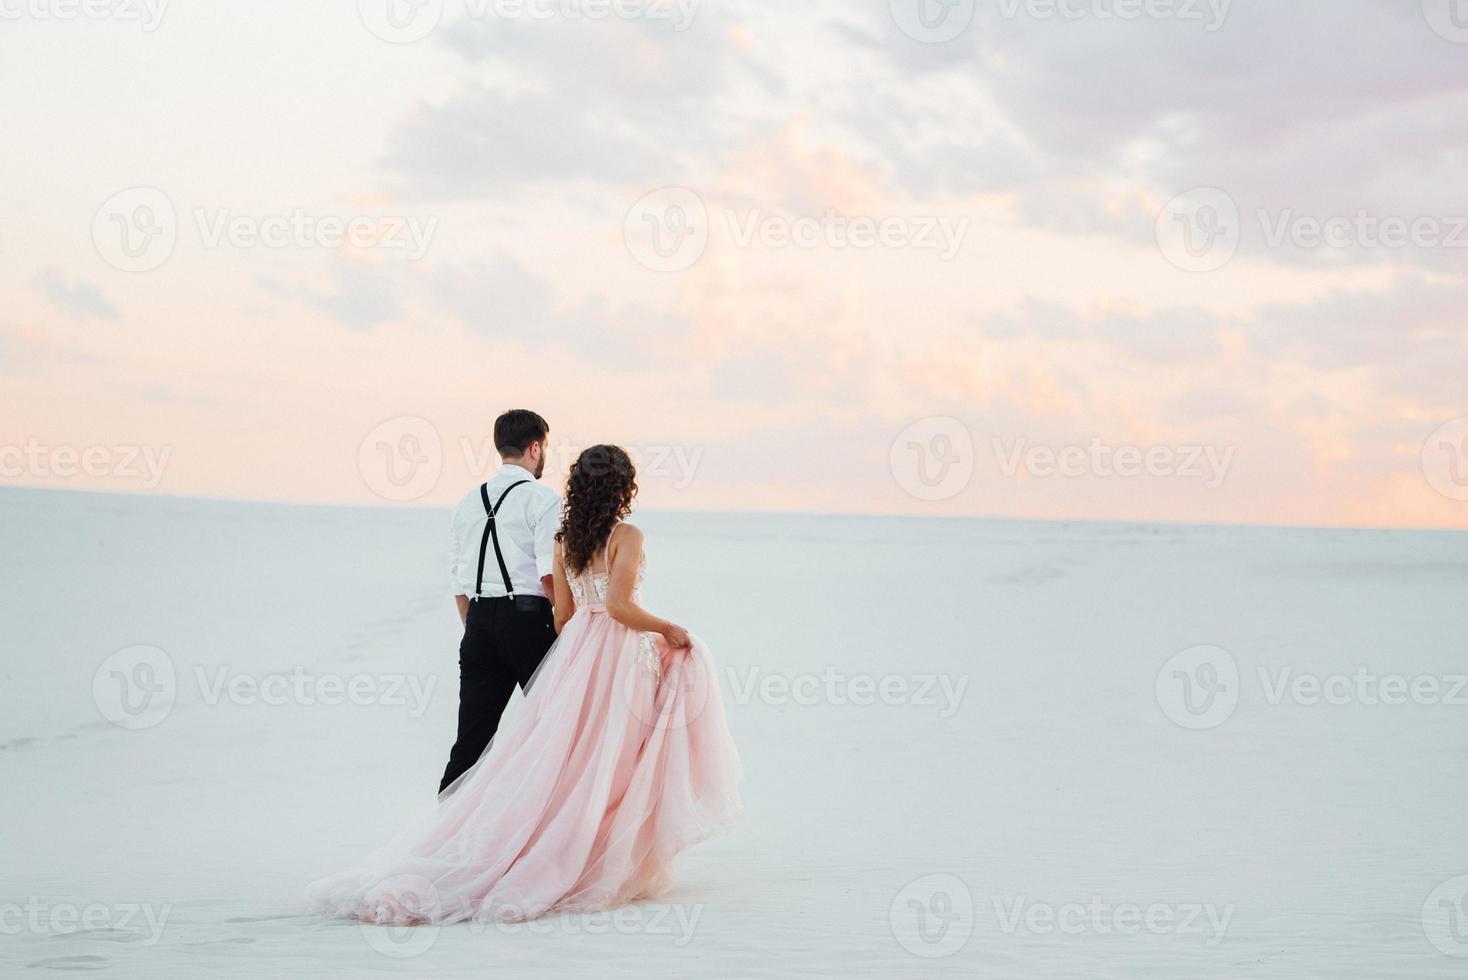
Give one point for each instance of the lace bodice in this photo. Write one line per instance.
(589, 588)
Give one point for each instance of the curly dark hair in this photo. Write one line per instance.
(599, 493)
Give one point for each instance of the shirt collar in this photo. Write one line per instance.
(515, 471)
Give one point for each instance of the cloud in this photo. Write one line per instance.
(1094, 122)
(1413, 338)
(500, 299)
(1094, 84)
(1168, 336)
(497, 298)
(29, 351)
(361, 297)
(614, 101)
(78, 299)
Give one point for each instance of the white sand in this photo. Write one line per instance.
(1318, 831)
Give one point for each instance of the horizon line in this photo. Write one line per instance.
(873, 515)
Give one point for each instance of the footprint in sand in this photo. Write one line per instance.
(70, 963)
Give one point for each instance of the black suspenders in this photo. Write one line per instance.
(489, 532)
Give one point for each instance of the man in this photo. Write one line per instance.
(501, 572)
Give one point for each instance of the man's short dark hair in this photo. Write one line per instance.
(516, 431)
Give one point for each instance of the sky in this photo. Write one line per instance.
(1171, 260)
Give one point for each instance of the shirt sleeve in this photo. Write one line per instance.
(455, 558)
(547, 523)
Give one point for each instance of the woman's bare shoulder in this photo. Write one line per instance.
(630, 533)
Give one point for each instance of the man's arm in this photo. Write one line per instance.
(547, 523)
(462, 601)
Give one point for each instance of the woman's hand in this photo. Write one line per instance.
(677, 637)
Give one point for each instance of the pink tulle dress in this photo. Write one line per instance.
(620, 759)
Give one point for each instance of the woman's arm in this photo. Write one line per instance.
(565, 604)
(624, 552)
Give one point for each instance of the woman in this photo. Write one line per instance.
(621, 758)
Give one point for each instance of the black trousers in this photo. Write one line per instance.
(502, 646)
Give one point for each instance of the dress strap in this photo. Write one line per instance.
(606, 550)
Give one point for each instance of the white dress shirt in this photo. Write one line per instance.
(526, 525)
